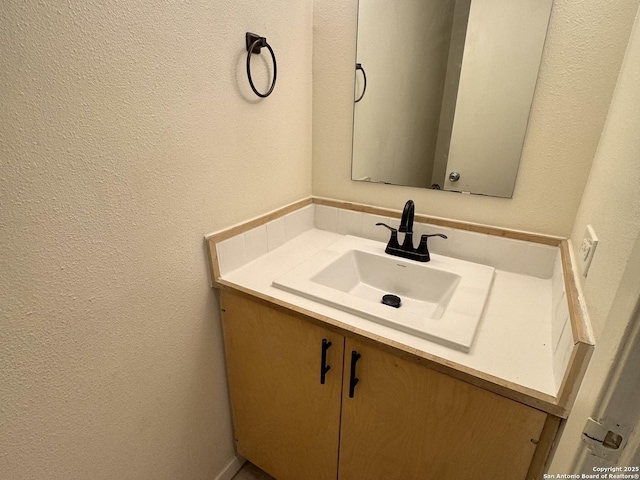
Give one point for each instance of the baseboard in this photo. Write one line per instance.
(231, 468)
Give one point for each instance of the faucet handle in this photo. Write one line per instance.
(434, 235)
(393, 241)
(422, 248)
(380, 224)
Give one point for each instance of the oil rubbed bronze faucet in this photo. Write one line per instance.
(420, 254)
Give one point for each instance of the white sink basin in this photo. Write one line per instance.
(442, 300)
(370, 276)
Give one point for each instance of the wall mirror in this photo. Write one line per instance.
(443, 90)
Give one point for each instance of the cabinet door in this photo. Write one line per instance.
(285, 420)
(406, 421)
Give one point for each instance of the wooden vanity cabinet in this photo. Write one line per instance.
(402, 421)
(285, 421)
(407, 421)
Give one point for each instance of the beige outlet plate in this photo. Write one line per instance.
(587, 250)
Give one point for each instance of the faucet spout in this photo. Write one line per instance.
(406, 223)
(406, 226)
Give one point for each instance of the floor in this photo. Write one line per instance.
(251, 472)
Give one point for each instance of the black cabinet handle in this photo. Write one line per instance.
(353, 380)
(324, 368)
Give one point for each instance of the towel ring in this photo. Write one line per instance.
(359, 67)
(254, 45)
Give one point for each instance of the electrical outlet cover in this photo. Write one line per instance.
(587, 249)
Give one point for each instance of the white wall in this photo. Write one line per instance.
(579, 68)
(127, 132)
(611, 203)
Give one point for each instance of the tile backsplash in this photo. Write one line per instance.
(237, 251)
(502, 253)
(561, 332)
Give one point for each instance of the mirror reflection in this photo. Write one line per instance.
(444, 89)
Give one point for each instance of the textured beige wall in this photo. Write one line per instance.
(128, 132)
(611, 203)
(579, 68)
(611, 200)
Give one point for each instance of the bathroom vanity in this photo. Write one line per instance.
(318, 391)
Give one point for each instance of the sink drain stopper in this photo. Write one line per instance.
(391, 300)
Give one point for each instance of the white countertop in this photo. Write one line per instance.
(513, 342)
